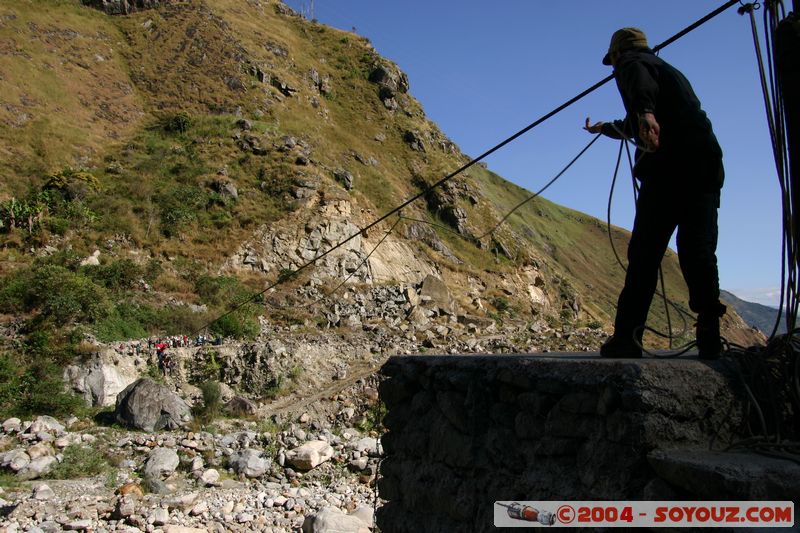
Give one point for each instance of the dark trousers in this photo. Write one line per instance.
(660, 210)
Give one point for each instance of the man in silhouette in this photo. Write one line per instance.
(679, 166)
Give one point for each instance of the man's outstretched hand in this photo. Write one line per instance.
(649, 131)
(597, 127)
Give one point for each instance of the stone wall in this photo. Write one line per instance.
(466, 431)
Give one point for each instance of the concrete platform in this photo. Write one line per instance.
(465, 431)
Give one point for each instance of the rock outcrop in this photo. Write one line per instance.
(126, 7)
(146, 405)
(100, 379)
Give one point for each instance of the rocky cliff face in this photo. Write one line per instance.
(125, 7)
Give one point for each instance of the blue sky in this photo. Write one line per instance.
(483, 71)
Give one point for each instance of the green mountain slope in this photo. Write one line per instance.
(756, 315)
(203, 148)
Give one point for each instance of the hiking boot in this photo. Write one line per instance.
(709, 343)
(621, 347)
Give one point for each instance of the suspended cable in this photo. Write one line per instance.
(469, 164)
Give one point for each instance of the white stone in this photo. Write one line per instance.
(40, 450)
(184, 502)
(16, 460)
(78, 525)
(43, 492)
(12, 425)
(159, 517)
(332, 520)
(199, 508)
(37, 467)
(210, 477)
(161, 462)
(365, 513)
(368, 445)
(310, 454)
(250, 463)
(45, 423)
(184, 529)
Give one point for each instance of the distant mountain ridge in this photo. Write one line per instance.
(759, 316)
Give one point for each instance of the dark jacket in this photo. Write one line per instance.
(688, 154)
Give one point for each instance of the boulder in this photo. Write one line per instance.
(101, 378)
(390, 79)
(332, 520)
(435, 292)
(16, 460)
(161, 463)
(43, 492)
(250, 463)
(414, 140)
(12, 425)
(210, 477)
(37, 468)
(40, 449)
(149, 406)
(240, 406)
(368, 445)
(124, 507)
(46, 424)
(345, 178)
(310, 454)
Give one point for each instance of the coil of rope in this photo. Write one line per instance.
(770, 375)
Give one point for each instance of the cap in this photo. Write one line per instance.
(625, 39)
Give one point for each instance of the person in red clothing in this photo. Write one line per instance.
(679, 166)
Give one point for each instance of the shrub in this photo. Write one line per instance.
(120, 274)
(56, 293)
(180, 206)
(79, 461)
(66, 297)
(136, 320)
(212, 401)
(72, 183)
(373, 418)
(178, 123)
(35, 389)
(241, 324)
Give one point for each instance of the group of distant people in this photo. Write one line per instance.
(159, 347)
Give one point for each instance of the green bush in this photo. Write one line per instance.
(180, 206)
(66, 296)
(55, 293)
(177, 123)
(120, 274)
(241, 324)
(79, 461)
(34, 388)
(373, 418)
(212, 401)
(136, 320)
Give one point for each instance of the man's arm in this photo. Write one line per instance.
(640, 87)
(616, 129)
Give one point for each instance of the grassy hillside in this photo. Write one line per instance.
(127, 135)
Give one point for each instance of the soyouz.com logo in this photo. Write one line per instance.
(644, 514)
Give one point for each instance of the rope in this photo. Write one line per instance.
(465, 166)
(663, 294)
(770, 376)
(540, 191)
